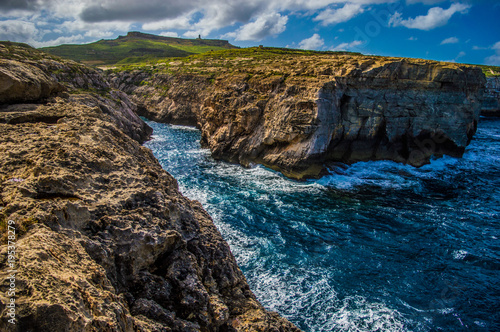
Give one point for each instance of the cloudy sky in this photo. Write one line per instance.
(465, 31)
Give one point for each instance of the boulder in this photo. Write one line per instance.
(25, 83)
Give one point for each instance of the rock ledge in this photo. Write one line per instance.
(105, 241)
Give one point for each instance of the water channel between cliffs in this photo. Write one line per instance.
(376, 246)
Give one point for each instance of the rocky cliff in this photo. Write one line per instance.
(299, 113)
(103, 239)
(491, 103)
(165, 98)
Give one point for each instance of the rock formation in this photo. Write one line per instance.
(298, 113)
(491, 102)
(174, 99)
(104, 240)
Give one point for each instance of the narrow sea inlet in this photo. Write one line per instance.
(377, 246)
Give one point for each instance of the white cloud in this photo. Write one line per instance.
(494, 59)
(312, 6)
(36, 29)
(312, 43)
(77, 25)
(266, 25)
(135, 11)
(18, 31)
(99, 34)
(249, 20)
(28, 8)
(76, 39)
(335, 16)
(435, 17)
(42, 23)
(192, 34)
(219, 14)
(460, 54)
(182, 22)
(413, 38)
(451, 40)
(169, 34)
(96, 18)
(425, 2)
(347, 46)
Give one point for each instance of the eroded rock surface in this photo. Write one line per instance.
(299, 113)
(105, 241)
(20, 82)
(491, 103)
(174, 99)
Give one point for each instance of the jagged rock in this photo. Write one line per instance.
(21, 82)
(105, 241)
(164, 98)
(491, 103)
(299, 113)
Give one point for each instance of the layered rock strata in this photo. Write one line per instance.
(175, 99)
(491, 103)
(299, 114)
(104, 239)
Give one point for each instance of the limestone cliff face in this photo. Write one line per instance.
(300, 114)
(164, 98)
(105, 241)
(491, 103)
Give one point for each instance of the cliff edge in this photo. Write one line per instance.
(300, 112)
(491, 103)
(104, 240)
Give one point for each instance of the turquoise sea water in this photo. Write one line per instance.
(378, 246)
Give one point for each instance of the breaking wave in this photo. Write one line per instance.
(376, 246)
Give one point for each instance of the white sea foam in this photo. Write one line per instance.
(296, 240)
(299, 297)
(383, 174)
(245, 248)
(261, 178)
(459, 254)
(389, 174)
(159, 138)
(356, 313)
(194, 193)
(183, 128)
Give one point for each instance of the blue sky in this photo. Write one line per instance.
(466, 31)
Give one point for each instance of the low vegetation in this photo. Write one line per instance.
(213, 57)
(248, 61)
(265, 62)
(136, 47)
(490, 71)
(15, 51)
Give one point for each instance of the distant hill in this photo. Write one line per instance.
(136, 47)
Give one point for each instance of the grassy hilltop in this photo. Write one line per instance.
(143, 50)
(136, 47)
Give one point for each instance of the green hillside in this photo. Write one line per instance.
(490, 71)
(136, 47)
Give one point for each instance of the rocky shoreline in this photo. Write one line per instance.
(104, 239)
(299, 114)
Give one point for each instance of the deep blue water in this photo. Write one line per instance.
(378, 246)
